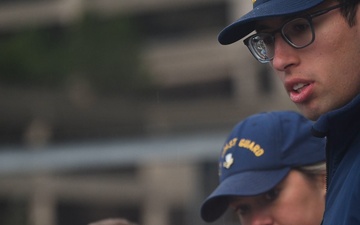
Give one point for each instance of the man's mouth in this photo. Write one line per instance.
(299, 86)
(300, 92)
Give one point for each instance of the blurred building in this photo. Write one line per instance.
(167, 164)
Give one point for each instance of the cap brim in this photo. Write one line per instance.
(246, 24)
(243, 184)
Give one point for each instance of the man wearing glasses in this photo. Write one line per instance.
(314, 48)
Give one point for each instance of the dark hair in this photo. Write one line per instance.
(349, 10)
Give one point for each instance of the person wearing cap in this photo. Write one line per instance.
(313, 47)
(271, 171)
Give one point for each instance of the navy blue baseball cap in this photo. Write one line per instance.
(259, 153)
(263, 9)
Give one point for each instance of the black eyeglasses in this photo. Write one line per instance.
(298, 33)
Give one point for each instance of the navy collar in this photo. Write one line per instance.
(343, 119)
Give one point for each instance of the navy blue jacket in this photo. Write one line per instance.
(342, 130)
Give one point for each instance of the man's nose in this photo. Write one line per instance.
(284, 54)
(261, 217)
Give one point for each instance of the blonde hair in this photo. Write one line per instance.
(313, 171)
(112, 221)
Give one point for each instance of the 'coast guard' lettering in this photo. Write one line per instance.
(252, 146)
(243, 143)
(229, 145)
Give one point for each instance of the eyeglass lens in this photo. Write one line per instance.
(298, 33)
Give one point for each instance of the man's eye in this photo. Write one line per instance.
(242, 210)
(296, 26)
(300, 27)
(268, 40)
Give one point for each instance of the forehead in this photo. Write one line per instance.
(239, 200)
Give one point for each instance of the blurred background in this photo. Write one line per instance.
(119, 108)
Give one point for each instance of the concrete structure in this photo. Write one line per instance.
(170, 173)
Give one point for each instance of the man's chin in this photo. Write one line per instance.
(310, 114)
